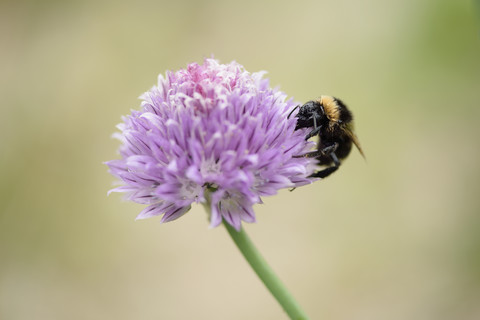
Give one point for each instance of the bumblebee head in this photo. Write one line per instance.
(306, 114)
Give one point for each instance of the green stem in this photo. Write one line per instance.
(262, 269)
(265, 273)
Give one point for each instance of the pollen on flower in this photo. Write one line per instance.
(211, 132)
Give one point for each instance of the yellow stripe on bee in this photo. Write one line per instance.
(330, 107)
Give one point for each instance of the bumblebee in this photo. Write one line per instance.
(330, 120)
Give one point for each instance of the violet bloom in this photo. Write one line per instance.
(211, 132)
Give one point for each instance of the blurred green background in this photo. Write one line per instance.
(395, 237)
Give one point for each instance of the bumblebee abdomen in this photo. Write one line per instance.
(344, 146)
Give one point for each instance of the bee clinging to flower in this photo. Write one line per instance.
(330, 120)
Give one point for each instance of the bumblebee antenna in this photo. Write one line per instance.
(293, 111)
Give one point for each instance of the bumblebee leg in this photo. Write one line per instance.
(312, 154)
(324, 152)
(324, 173)
(313, 133)
(316, 129)
(328, 171)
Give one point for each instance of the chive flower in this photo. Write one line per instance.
(212, 134)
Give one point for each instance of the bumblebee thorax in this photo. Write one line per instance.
(331, 108)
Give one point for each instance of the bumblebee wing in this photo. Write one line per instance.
(353, 136)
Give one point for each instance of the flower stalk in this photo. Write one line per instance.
(265, 273)
(263, 270)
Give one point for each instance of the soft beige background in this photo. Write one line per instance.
(396, 237)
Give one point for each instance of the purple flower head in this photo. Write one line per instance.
(211, 132)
